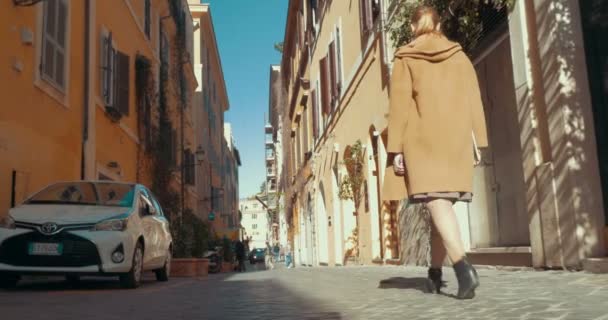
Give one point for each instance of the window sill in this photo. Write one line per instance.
(120, 123)
(51, 91)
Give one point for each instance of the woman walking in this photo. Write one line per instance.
(436, 123)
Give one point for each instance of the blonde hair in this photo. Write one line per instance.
(425, 20)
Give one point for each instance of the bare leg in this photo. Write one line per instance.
(438, 252)
(444, 219)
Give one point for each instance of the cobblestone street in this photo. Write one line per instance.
(316, 293)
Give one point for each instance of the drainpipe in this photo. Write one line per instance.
(13, 188)
(383, 34)
(183, 168)
(85, 120)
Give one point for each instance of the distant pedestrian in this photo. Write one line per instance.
(436, 124)
(282, 253)
(268, 257)
(240, 255)
(275, 252)
(289, 258)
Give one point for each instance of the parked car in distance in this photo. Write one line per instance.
(86, 228)
(257, 255)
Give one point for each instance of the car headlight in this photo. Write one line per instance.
(7, 222)
(111, 225)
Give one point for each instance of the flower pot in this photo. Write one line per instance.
(227, 267)
(189, 268)
(202, 268)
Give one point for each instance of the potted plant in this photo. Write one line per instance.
(189, 245)
(229, 256)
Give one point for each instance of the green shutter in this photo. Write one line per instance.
(122, 82)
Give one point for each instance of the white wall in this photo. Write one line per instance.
(337, 224)
(322, 229)
(255, 215)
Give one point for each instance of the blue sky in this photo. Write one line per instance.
(246, 32)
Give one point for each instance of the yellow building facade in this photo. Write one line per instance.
(210, 101)
(337, 95)
(73, 109)
(529, 207)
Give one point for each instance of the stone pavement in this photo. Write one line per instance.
(316, 293)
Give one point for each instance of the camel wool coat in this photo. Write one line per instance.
(435, 109)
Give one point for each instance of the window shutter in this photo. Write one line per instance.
(156, 32)
(173, 148)
(313, 4)
(188, 167)
(369, 19)
(325, 87)
(108, 70)
(365, 17)
(122, 83)
(164, 49)
(147, 17)
(190, 170)
(339, 60)
(333, 75)
(315, 115)
(148, 121)
(310, 20)
(301, 30)
(305, 133)
(185, 166)
(362, 19)
(53, 42)
(62, 16)
(193, 168)
(317, 7)
(48, 54)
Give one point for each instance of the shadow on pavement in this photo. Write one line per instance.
(225, 296)
(419, 284)
(237, 297)
(46, 284)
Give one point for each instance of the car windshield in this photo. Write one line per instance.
(86, 193)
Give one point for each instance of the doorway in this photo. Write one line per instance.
(323, 238)
(498, 215)
(594, 15)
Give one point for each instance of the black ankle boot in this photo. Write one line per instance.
(467, 279)
(434, 280)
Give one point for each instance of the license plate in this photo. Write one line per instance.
(45, 249)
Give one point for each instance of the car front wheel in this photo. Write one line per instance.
(164, 273)
(72, 279)
(8, 281)
(132, 279)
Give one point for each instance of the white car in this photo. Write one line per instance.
(86, 228)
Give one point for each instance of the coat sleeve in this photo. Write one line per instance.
(477, 113)
(400, 96)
